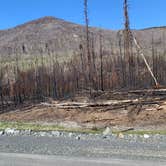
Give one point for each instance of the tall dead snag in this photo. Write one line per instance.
(128, 48)
(55, 66)
(1, 89)
(93, 58)
(154, 59)
(88, 42)
(121, 62)
(101, 63)
(18, 95)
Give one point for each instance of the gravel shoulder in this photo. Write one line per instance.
(87, 145)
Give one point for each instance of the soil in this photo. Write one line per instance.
(131, 110)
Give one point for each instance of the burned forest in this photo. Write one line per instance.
(95, 66)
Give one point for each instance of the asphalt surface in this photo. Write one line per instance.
(83, 150)
(8, 159)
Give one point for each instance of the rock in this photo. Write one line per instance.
(27, 132)
(104, 136)
(16, 132)
(146, 136)
(70, 135)
(9, 131)
(107, 131)
(56, 133)
(120, 135)
(42, 134)
(1, 133)
(78, 137)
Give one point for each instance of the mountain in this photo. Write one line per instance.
(60, 37)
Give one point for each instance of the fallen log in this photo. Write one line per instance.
(149, 92)
(108, 105)
(115, 107)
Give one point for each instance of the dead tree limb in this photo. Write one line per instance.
(146, 63)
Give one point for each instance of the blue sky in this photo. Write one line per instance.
(102, 13)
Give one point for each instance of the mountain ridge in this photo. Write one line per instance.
(34, 37)
(52, 18)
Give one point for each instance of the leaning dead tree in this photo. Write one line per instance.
(146, 63)
(129, 38)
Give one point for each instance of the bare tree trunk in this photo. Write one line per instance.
(88, 43)
(101, 63)
(122, 66)
(128, 48)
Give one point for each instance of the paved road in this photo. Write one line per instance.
(13, 159)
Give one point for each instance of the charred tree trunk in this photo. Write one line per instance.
(128, 48)
(101, 63)
(88, 43)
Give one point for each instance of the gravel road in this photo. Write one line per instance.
(89, 146)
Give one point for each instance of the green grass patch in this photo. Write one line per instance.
(45, 127)
(40, 127)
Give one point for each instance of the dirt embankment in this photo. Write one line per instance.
(118, 109)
